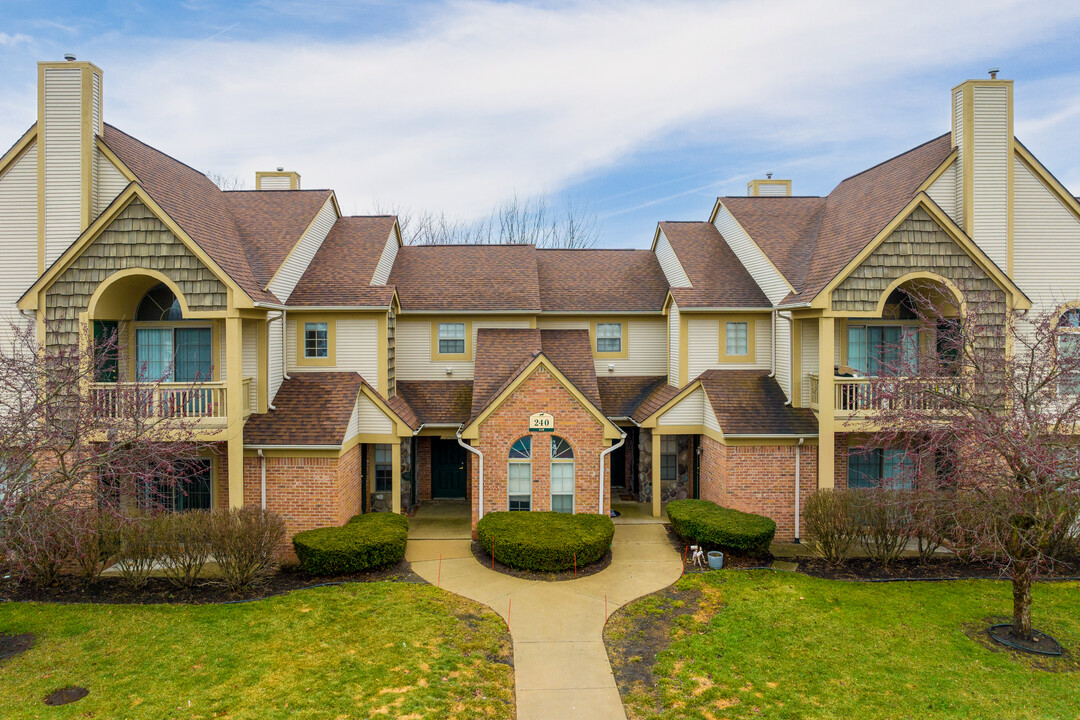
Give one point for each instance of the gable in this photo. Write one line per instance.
(368, 419)
(135, 238)
(918, 244)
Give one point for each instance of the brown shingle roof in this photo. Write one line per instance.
(312, 409)
(438, 402)
(654, 401)
(502, 354)
(271, 222)
(717, 276)
(811, 240)
(467, 277)
(600, 281)
(340, 273)
(749, 402)
(400, 406)
(620, 396)
(194, 202)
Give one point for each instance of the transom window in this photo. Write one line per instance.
(869, 468)
(609, 337)
(562, 475)
(452, 338)
(159, 305)
(737, 338)
(519, 475)
(882, 350)
(316, 340)
(384, 468)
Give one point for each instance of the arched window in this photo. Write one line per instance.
(519, 475)
(159, 304)
(562, 475)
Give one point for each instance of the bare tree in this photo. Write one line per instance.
(227, 182)
(987, 408)
(72, 448)
(514, 221)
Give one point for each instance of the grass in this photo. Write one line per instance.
(355, 651)
(747, 644)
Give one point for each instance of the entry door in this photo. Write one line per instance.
(447, 469)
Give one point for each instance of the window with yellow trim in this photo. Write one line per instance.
(315, 342)
(451, 338)
(737, 338)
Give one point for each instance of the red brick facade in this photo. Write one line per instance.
(423, 468)
(540, 392)
(758, 479)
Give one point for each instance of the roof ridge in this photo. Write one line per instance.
(161, 152)
(894, 157)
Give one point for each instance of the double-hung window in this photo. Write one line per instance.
(384, 468)
(562, 475)
(316, 340)
(883, 350)
(451, 338)
(737, 338)
(609, 337)
(519, 475)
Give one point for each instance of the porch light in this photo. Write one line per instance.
(449, 370)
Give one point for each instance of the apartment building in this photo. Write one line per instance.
(341, 372)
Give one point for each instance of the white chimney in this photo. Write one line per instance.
(279, 179)
(982, 132)
(69, 120)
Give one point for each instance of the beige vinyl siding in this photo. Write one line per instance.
(1046, 238)
(413, 348)
(63, 147)
(274, 358)
(688, 411)
(368, 419)
(958, 141)
(783, 355)
(645, 344)
(108, 182)
(543, 323)
(809, 351)
(711, 422)
(767, 277)
(95, 108)
(275, 182)
(356, 346)
(838, 359)
(386, 260)
(991, 169)
(669, 263)
(703, 345)
(250, 354)
(18, 237)
(772, 189)
(673, 345)
(296, 263)
(223, 347)
(943, 192)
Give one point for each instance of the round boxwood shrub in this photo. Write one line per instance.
(706, 523)
(545, 541)
(365, 542)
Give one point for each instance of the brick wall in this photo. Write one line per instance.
(539, 393)
(758, 479)
(840, 458)
(423, 468)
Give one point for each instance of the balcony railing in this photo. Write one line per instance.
(204, 400)
(855, 395)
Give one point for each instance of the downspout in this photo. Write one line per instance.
(791, 371)
(798, 485)
(603, 455)
(262, 473)
(480, 455)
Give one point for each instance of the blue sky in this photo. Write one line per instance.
(642, 111)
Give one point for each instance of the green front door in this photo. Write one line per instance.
(447, 469)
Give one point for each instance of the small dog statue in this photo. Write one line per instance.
(697, 557)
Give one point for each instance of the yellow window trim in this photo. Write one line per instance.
(331, 342)
(622, 354)
(437, 356)
(751, 337)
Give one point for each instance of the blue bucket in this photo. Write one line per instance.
(716, 559)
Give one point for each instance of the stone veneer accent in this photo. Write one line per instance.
(540, 392)
(758, 479)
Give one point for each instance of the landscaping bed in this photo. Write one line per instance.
(484, 558)
(545, 542)
(359, 650)
(113, 590)
(746, 644)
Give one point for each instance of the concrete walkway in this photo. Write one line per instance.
(561, 667)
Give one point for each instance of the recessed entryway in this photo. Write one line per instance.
(448, 474)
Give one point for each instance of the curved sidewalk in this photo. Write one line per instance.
(561, 668)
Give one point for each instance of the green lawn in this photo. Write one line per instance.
(748, 644)
(356, 651)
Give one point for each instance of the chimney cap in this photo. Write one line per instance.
(69, 57)
(768, 175)
(994, 72)
(280, 169)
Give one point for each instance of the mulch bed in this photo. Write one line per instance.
(158, 590)
(12, 645)
(484, 558)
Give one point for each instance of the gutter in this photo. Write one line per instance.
(480, 455)
(768, 437)
(262, 473)
(603, 455)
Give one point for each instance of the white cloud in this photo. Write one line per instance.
(10, 41)
(486, 99)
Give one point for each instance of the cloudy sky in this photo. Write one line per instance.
(641, 111)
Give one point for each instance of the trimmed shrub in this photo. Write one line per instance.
(183, 545)
(831, 523)
(244, 544)
(545, 541)
(885, 523)
(137, 552)
(365, 542)
(707, 524)
(95, 543)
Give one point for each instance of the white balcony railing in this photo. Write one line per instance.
(855, 395)
(163, 400)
